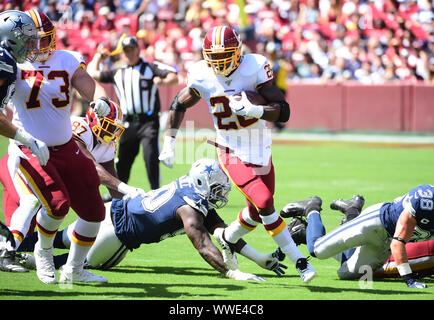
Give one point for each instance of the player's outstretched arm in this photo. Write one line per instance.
(267, 261)
(185, 99)
(197, 233)
(403, 232)
(108, 177)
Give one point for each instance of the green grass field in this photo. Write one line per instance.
(173, 269)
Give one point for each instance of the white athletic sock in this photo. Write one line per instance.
(240, 227)
(277, 229)
(22, 217)
(83, 237)
(47, 227)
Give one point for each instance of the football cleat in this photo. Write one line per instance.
(8, 262)
(229, 256)
(301, 208)
(304, 268)
(45, 269)
(69, 274)
(297, 229)
(351, 208)
(26, 260)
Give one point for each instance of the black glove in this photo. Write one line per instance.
(278, 254)
(276, 267)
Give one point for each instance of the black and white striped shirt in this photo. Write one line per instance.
(137, 93)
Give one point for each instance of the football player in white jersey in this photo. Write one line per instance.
(42, 106)
(97, 138)
(18, 36)
(244, 141)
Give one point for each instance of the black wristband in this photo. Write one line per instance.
(400, 240)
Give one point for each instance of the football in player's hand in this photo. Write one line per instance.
(254, 97)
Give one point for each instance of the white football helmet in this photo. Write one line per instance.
(18, 34)
(210, 181)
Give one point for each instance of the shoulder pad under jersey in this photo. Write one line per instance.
(252, 63)
(198, 73)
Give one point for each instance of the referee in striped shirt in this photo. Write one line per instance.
(136, 86)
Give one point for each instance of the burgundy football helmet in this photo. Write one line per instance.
(47, 35)
(222, 50)
(109, 129)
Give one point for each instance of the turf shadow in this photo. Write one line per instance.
(134, 290)
(190, 271)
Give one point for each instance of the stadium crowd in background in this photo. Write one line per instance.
(370, 41)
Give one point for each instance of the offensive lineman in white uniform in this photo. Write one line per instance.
(42, 106)
(97, 138)
(244, 142)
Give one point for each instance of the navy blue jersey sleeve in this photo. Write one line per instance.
(8, 73)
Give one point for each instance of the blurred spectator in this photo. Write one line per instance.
(104, 20)
(52, 12)
(371, 41)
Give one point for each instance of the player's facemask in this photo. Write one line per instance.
(221, 49)
(47, 36)
(108, 130)
(218, 195)
(223, 63)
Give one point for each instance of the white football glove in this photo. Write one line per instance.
(101, 107)
(38, 147)
(129, 191)
(244, 107)
(167, 155)
(239, 275)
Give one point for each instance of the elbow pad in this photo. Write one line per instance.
(284, 111)
(176, 106)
